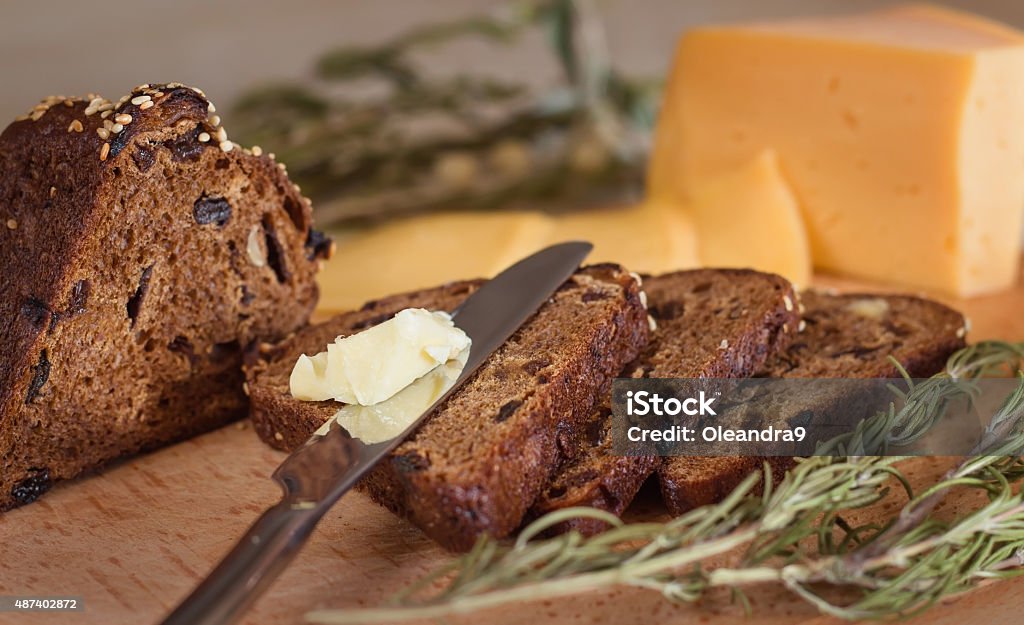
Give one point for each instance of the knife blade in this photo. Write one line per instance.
(316, 475)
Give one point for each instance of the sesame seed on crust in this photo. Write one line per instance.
(115, 116)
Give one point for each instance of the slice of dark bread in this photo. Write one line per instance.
(484, 455)
(843, 336)
(137, 266)
(711, 323)
(853, 335)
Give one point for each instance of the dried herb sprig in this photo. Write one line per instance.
(794, 534)
(376, 133)
(924, 402)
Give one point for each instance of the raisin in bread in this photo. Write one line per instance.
(480, 460)
(141, 253)
(711, 323)
(843, 336)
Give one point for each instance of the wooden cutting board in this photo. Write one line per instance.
(135, 539)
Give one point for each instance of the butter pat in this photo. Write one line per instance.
(901, 132)
(373, 365)
(389, 418)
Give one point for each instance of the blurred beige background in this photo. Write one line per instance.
(75, 47)
(226, 47)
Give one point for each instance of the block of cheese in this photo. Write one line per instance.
(648, 238)
(901, 132)
(748, 217)
(418, 252)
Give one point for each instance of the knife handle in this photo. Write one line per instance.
(254, 563)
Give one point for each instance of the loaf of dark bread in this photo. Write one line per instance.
(480, 460)
(711, 323)
(843, 336)
(141, 253)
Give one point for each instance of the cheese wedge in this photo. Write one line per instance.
(749, 218)
(649, 238)
(419, 252)
(901, 132)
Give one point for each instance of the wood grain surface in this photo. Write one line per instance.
(135, 539)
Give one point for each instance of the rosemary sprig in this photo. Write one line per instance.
(376, 134)
(925, 402)
(793, 533)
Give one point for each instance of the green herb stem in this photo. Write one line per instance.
(793, 533)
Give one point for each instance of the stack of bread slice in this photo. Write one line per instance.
(530, 432)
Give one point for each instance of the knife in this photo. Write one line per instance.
(317, 474)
